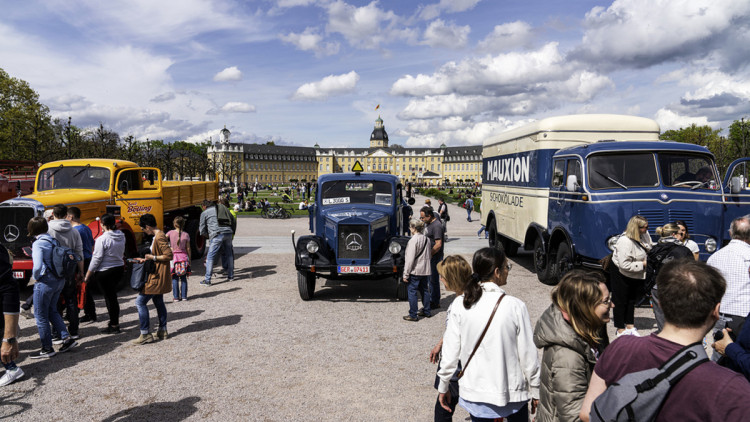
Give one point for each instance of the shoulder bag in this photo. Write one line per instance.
(461, 374)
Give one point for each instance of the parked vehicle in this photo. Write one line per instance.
(97, 186)
(356, 221)
(277, 211)
(16, 178)
(566, 186)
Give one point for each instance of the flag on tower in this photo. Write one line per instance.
(377, 107)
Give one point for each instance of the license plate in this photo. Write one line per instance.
(18, 275)
(357, 269)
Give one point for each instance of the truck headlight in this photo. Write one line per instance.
(394, 248)
(312, 246)
(710, 245)
(612, 241)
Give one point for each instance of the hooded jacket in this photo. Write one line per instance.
(63, 232)
(567, 364)
(108, 251)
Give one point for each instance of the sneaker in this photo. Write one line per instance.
(144, 339)
(27, 313)
(183, 299)
(634, 332)
(68, 344)
(205, 283)
(11, 375)
(627, 332)
(111, 329)
(44, 354)
(162, 334)
(75, 336)
(230, 279)
(57, 340)
(421, 313)
(410, 318)
(174, 299)
(88, 318)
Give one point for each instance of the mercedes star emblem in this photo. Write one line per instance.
(353, 242)
(11, 233)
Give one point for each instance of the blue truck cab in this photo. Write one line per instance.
(565, 188)
(356, 224)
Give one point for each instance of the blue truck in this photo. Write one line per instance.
(565, 187)
(356, 222)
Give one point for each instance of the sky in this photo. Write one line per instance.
(301, 72)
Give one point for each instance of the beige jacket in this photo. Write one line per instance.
(417, 256)
(628, 256)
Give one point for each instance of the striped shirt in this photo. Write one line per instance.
(733, 262)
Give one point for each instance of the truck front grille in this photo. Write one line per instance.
(13, 222)
(354, 242)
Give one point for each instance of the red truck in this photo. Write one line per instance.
(16, 178)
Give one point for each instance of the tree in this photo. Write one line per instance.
(25, 124)
(707, 137)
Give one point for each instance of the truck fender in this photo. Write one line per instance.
(560, 235)
(304, 258)
(533, 232)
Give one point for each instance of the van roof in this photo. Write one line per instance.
(599, 123)
(650, 146)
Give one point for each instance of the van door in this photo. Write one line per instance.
(736, 194)
(556, 194)
(138, 192)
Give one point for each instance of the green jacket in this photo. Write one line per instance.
(567, 364)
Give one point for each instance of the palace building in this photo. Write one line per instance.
(250, 163)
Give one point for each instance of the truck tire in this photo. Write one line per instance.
(563, 261)
(306, 285)
(402, 291)
(542, 264)
(494, 237)
(197, 242)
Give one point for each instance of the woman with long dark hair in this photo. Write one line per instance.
(500, 367)
(107, 268)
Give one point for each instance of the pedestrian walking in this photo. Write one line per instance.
(417, 271)
(469, 204)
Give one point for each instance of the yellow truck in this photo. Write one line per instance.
(97, 186)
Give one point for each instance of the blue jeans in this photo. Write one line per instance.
(483, 229)
(45, 311)
(179, 283)
(141, 303)
(435, 279)
(221, 242)
(418, 283)
(468, 216)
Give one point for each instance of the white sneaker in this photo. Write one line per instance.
(625, 332)
(11, 375)
(634, 332)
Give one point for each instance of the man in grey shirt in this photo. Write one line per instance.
(219, 239)
(62, 231)
(434, 231)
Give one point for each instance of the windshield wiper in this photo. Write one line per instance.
(82, 170)
(55, 172)
(611, 179)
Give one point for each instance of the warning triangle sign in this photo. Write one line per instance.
(357, 167)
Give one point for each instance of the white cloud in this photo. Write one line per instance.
(669, 120)
(507, 36)
(432, 11)
(238, 107)
(328, 86)
(310, 40)
(229, 74)
(438, 34)
(367, 26)
(167, 96)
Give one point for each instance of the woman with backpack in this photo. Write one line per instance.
(499, 378)
(628, 273)
(569, 333)
(668, 248)
(107, 268)
(47, 289)
(179, 241)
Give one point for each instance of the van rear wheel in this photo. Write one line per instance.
(542, 264)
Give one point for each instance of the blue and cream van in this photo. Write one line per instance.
(565, 187)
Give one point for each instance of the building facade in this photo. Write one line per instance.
(250, 163)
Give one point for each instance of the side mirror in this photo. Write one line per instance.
(572, 183)
(124, 187)
(735, 185)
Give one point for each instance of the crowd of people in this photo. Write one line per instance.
(59, 237)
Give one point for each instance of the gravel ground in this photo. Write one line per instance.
(252, 350)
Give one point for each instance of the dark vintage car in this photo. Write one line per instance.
(356, 222)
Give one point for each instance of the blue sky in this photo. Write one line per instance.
(301, 72)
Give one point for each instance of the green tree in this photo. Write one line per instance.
(707, 137)
(25, 124)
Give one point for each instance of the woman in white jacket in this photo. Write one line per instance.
(107, 267)
(417, 271)
(629, 272)
(503, 373)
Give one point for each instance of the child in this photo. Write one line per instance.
(179, 241)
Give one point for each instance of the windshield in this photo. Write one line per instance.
(73, 177)
(356, 192)
(688, 171)
(622, 171)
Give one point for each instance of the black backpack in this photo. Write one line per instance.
(638, 397)
(64, 260)
(659, 255)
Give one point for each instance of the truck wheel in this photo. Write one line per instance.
(541, 263)
(402, 292)
(494, 238)
(306, 285)
(564, 261)
(197, 242)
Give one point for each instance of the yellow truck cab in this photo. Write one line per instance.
(97, 186)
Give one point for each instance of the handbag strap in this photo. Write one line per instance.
(461, 374)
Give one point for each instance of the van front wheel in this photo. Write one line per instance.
(564, 261)
(542, 264)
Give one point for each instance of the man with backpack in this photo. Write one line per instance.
(216, 226)
(690, 295)
(61, 230)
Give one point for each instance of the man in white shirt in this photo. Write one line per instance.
(733, 262)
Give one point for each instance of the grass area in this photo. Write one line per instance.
(458, 196)
(275, 200)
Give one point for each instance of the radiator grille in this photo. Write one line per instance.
(354, 242)
(13, 222)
